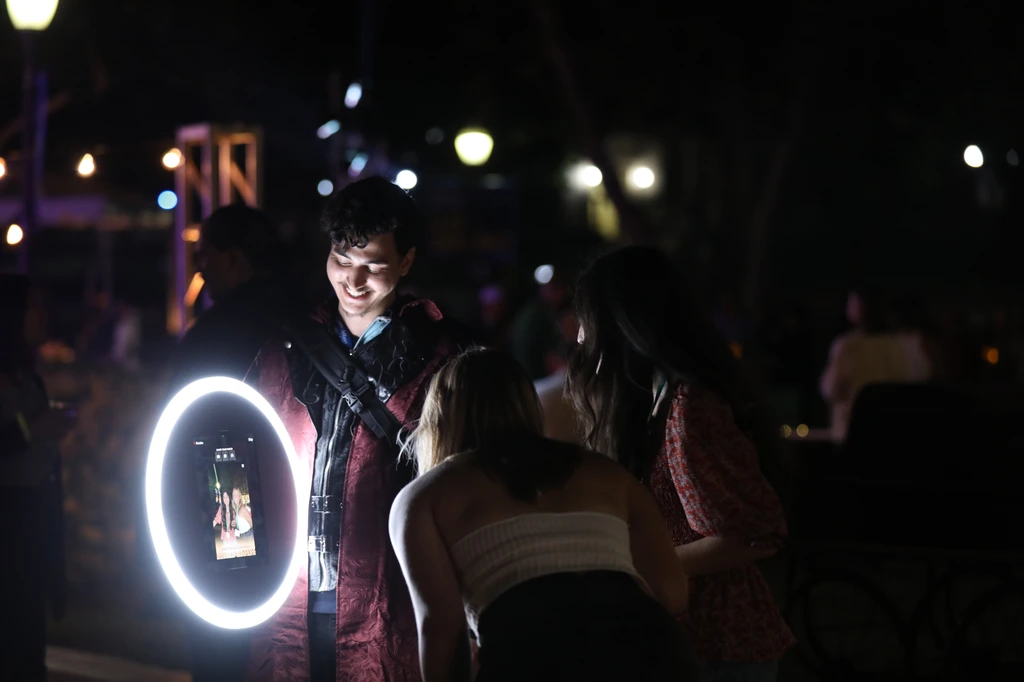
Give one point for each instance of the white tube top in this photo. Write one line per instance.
(495, 558)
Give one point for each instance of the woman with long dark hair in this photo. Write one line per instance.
(225, 518)
(659, 390)
(555, 558)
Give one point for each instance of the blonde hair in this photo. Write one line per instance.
(477, 398)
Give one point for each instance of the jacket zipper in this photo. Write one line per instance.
(323, 491)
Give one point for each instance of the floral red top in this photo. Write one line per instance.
(707, 482)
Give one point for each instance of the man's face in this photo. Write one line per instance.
(365, 279)
(216, 267)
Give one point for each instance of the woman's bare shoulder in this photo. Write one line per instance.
(596, 464)
(427, 485)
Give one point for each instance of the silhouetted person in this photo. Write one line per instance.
(241, 260)
(871, 352)
(560, 420)
(536, 340)
(32, 568)
(96, 339)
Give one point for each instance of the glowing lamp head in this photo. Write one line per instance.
(406, 179)
(31, 15)
(973, 156)
(474, 146)
(641, 177)
(586, 176)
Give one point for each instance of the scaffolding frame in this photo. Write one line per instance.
(220, 166)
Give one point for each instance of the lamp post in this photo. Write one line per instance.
(29, 17)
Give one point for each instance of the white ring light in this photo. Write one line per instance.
(215, 615)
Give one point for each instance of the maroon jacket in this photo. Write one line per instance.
(377, 639)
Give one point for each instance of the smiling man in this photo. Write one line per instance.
(349, 616)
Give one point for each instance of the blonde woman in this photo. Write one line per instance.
(555, 559)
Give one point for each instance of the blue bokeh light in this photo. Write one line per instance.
(167, 200)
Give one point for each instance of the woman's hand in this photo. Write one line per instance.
(711, 555)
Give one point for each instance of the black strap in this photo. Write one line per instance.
(336, 365)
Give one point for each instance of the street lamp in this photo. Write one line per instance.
(28, 18)
(474, 146)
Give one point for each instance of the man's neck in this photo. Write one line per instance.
(357, 325)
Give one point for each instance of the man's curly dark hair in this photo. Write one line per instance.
(371, 207)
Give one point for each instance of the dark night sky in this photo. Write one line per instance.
(893, 91)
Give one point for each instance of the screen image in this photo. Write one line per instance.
(232, 522)
(229, 501)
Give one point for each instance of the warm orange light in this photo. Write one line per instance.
(737, 349)
(190, 234)
(991, 355)
(194, 287)
(15, 234)
(3, 167)
(87, 166)
(173, 158)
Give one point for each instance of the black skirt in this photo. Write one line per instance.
(594, 626)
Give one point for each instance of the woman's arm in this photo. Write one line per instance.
(718, 478)
(710, 555)
(440, 616)
(651, 545)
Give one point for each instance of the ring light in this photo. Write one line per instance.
(154, 489)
